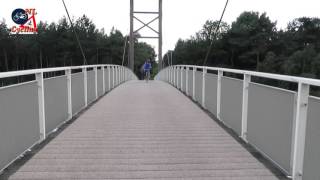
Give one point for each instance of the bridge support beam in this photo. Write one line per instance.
(133, 32)
(160, 35)
(131, 38)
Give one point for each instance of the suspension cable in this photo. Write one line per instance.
(76, 35)
(215, 34)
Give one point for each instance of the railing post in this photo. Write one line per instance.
(178, 79)
(174, 76)
(204, 73)
(41, 104)
(180, 70)
(118, 75)
(103, 79)
(181, 78)
(244, 122)
(171, 75)
(219, 80)
(96, 81)
(127, 74)
(123, 74)
(113, 76)
(109, 78)
(187, 81)
(69, 86)
(167, 71)
(119, 79)
(85, 82)
(194, 83)
(300, 130)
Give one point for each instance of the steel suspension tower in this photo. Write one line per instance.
(134, 32)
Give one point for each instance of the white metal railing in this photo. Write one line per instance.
(120, 75)
(170, 75)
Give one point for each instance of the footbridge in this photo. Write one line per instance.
(191, 122)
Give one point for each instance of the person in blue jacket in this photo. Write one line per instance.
(146, 69)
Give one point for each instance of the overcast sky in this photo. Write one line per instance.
(181, 18)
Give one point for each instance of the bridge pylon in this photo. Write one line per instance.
(133, 32)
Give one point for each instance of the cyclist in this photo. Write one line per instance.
(147, 68)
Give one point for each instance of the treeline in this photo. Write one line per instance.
(253, 42)
(55, 45)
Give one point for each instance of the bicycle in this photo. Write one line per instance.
(147, 75)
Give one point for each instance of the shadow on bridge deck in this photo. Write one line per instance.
(144, 131)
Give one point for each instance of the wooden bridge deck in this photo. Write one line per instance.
(144, 131)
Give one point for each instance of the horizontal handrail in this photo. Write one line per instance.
(296, 79)
(43, 70)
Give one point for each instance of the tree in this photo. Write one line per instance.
(4, 45)
(250, 37)
(208, 30)
(56, 45)
(300, 63)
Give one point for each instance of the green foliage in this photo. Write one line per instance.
(253, 42)
(55, 45)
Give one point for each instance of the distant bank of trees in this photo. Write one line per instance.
(253, 42)
(55, 45)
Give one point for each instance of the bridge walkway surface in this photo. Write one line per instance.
(144, 131)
